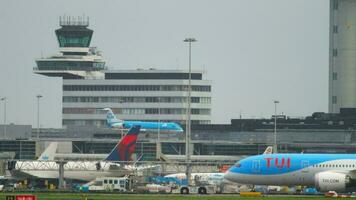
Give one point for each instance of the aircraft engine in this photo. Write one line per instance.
(331, 181)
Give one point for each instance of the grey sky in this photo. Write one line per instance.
(253, 50)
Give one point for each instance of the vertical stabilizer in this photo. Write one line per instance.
(126, 147)
(111, 119)
(50, 152)
(268, 150)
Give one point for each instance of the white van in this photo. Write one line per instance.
(109, 184)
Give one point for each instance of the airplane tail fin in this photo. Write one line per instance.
(126, 147)
(110, 117)
(269, 150)
(50, 152)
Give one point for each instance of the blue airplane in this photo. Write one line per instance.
(113, 122)
(325, 172)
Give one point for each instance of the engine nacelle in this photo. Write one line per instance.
(118, 125)
(331, 181)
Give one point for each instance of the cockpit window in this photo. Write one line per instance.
(237, 165)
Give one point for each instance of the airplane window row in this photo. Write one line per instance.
(320, 165)
(333, 165)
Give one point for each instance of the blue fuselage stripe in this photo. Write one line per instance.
(153, 125)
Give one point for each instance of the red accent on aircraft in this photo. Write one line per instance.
(288, 162)
(124, 149)
(278, 164)
(268, 162)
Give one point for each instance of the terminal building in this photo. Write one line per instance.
(222, 143)
(88, 85)
(152, 94)
(146, 95)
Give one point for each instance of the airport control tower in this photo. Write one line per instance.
(342, 56)
(76, 59)
(135, 94)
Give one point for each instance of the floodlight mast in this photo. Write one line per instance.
(188, 123)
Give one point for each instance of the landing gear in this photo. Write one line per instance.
(202, 190)
(184, 190)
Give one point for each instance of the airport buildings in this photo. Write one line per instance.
(319, 133)
(342, 56)
(161, 95)
(88, 85)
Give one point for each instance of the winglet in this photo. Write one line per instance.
(126, 147)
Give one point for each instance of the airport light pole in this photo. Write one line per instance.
(158, 145)
(38, 116)
(275, 150)
(188, 124)
(4, 99)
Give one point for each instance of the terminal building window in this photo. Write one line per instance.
(102, 123)
(151, 111)
(133, 111)
(69, 65)
(334, 76)
(195, 99)
(95, 99)
(335, 29)
(211, 149)
(336, 5)
(335, 52)
(205, 100)
(23, 149)
(173, 148)
(195, 88)
(334, 99)
(137, 111)
(174, 76)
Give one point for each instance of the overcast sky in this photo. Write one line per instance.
(254, 51)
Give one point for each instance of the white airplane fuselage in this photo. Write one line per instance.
(77, 170)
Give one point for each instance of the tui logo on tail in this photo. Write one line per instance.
(126, 147)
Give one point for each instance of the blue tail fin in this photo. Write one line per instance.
(126, 147)
(111, 119)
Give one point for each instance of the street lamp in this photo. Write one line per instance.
(158, 145)
(4, 99)
(275, 150)
(38, 116)
(188, 123)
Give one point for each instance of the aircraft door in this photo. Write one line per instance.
(256, 166)
(304, 176)
(305, 166)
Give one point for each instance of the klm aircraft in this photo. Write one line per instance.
(113, 122)
(326, 172)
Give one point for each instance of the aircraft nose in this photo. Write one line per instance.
(178, 128)
(229, 176)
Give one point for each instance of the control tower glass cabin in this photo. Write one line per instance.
(75, 52)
